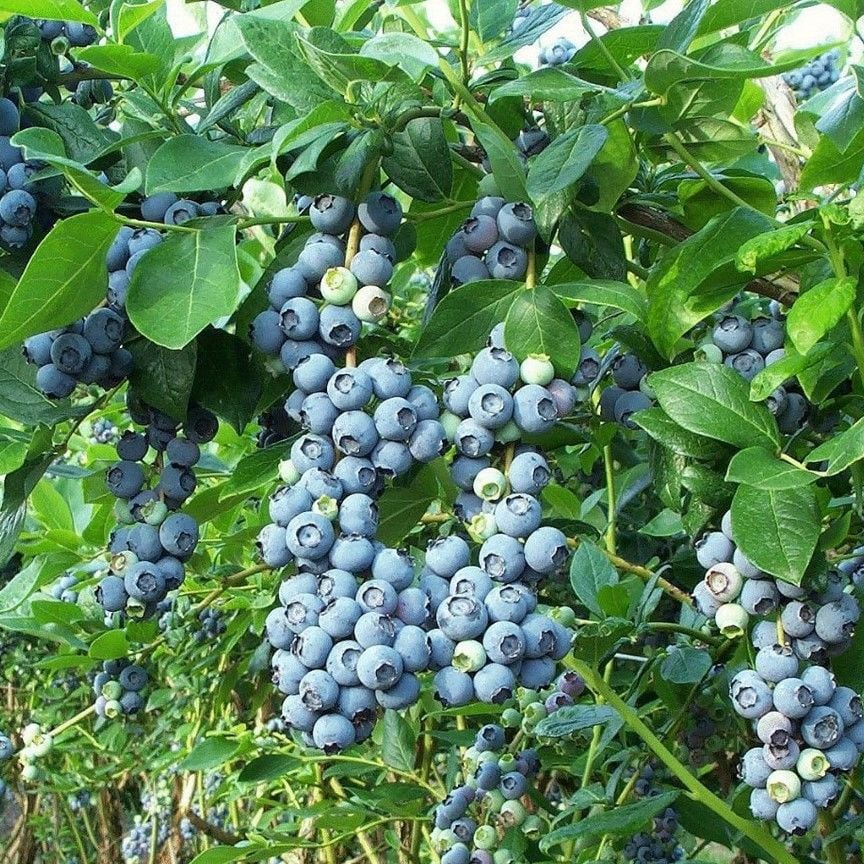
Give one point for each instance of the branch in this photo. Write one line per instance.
(213, 831)
(783, 289)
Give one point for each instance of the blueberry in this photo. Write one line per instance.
(446, 555)
(452, 687)
(331, 213)
(465, 469)
(628, 404)
(154, 207)
(37, 349)
(504, 642)
(821, 683)
(312, 647)
(17, 208)
(125, 479)
(796, 817)
(357, 703)
(461, 617)
(494, 366)
(309, 535)
(519, 515)
(335, 583)
(798, 619)
(491, 406)
(479, 233)
(70, 353)
(9, 154)
(471, 582)
(502, 557)
(395, 566)
(371, 267)
(380, 213)
(111, 594)
(506, 261)
(10, 118)
(458, 392)
(312, 373)
(768, 334)
(759, 597)
(349, 389)
(793, 698)
(144, 581)
(313, 451)
(382, 245)
(118, 288)
(472, 439)
(200, 425)
(428, 441)
(316, 259)
(468, 269)
(516, 224)
(843, 756)
(835, 622)
(823, 792)
(505, 603)
(354, 433)
(342, 662)
(181, 212)
(177, 482)
(714, 548)
(379, 667)
(395, 419)
(319, 483)
(373, 628)
(179, 535)
(458, 853)
(627, 371)
(792, 418)
(339, 326)
(751, 696)
(748, 363)
(847, 703)
(285, 285)
(534, 409)
(494, 683)
(732, 334)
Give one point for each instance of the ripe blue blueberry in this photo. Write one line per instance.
(518, 515)
(331, 213)
(349, 389)
(534, 409)
(452, 687)
(379, 667)
(285, 285)
(466, 269)
(494, 366)
(380, 213)
(516, 224)
(309, 535)
(395, 419)
(372, 628)
(506, 261)
(732, 334)
(494, 683)
(316, 259)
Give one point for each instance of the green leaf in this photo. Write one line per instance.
(682, 29)
(407, 51)
(771, 377)
(110, 645)
(55, 10)
(269, 767)
(538, 322)
(419, 163)
(713, 400)
(540, 19)
(624, 819)
(604, 292)
(548, 84)
(818, 311)
(339, 70)
(83, 140)
(573, 718)
(828, 164)
(777, 529)
(727, 13)
(663, 429)
(195, 275)
(841, 451)
(508, 171)
(227, 379)
(399, 741)
(463, 320)
(125, 17)
(64, 280)
(209, 754)
(189, 163)
(19, 398)
(676, 299)
(19, 587)
(163, 377)
(221, 855)
(685, 664)
(564, 162)
(590, 570)
(768, 244)
(13, 449)
(122, 60)
(255, 470)
(759, 467)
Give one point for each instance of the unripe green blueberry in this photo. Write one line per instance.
(731, 620)
(338, 286)
(287, 472)
(783, 786)
(645, 388)
(30, 732)
(30, 772)
(812, 764)
(112, 690)
(503, 856)
(487, 756)
(326, 506)
(136, 609)
(488, 186)
(525, 697)
(445, 840)
(494, 800)
(371, 304)
(508, 433)
(59, 46)
(122, 513)
(490, 484)
(42, 746)
(507, 763)
(113, 709)
(485, 837)
(154, 512)
(510, 718)
(535, 712)
(450, 422)
(533, 827)
(512, 813)
(468, 656)
(563, 615)
(122, 561)
(482, 527)
(537, 369)
(708, 353)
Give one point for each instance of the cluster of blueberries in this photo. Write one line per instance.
(64, 588)
(702, 735)
(77, 35)
(493, 242)
(495, 782)
(629, 391)
(90, 351)
(295, 326)
(810, 728)
(119, 688)
(37, 744)
(104, 431)
(557, 53)
(659, 846)
(148, 550)
(131, 244)
(275, 426)
(21, 192)
(748, 347)
(211, 625)
(819, 74)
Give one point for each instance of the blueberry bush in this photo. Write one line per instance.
(430, 432)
